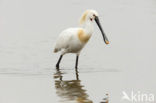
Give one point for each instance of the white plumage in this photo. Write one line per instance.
(69, 42)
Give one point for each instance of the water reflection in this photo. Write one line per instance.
(70, 90)
(105, 99)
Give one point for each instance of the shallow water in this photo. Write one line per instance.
(27, 63)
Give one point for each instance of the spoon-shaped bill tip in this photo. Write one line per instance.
(106, 41)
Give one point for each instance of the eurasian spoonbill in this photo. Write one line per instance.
(72, 40)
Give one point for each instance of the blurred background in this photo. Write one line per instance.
(28, 32)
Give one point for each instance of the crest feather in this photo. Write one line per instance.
(83, 17)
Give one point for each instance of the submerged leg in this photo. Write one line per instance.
(57, 65)
(77, 59)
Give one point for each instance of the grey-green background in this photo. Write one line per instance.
(29, 29)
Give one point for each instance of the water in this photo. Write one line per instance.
(27, 63)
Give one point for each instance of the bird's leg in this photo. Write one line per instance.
(77, 74)
(57, 65)
(77, 58)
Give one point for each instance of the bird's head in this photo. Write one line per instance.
(90, 16)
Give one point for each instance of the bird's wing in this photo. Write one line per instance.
(64, 39)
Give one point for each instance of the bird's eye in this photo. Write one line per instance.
(94, 15)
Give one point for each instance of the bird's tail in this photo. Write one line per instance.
(56, 50)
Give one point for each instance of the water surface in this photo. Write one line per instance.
(29, 29)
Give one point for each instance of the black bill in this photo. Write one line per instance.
(103, 34)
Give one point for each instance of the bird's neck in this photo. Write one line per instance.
(88, 26)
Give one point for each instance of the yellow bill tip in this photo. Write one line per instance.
(107, 42)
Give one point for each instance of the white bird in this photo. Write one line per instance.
(72, 40)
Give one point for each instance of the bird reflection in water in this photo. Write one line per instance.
(70, 90)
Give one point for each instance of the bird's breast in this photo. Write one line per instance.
(83, 36)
